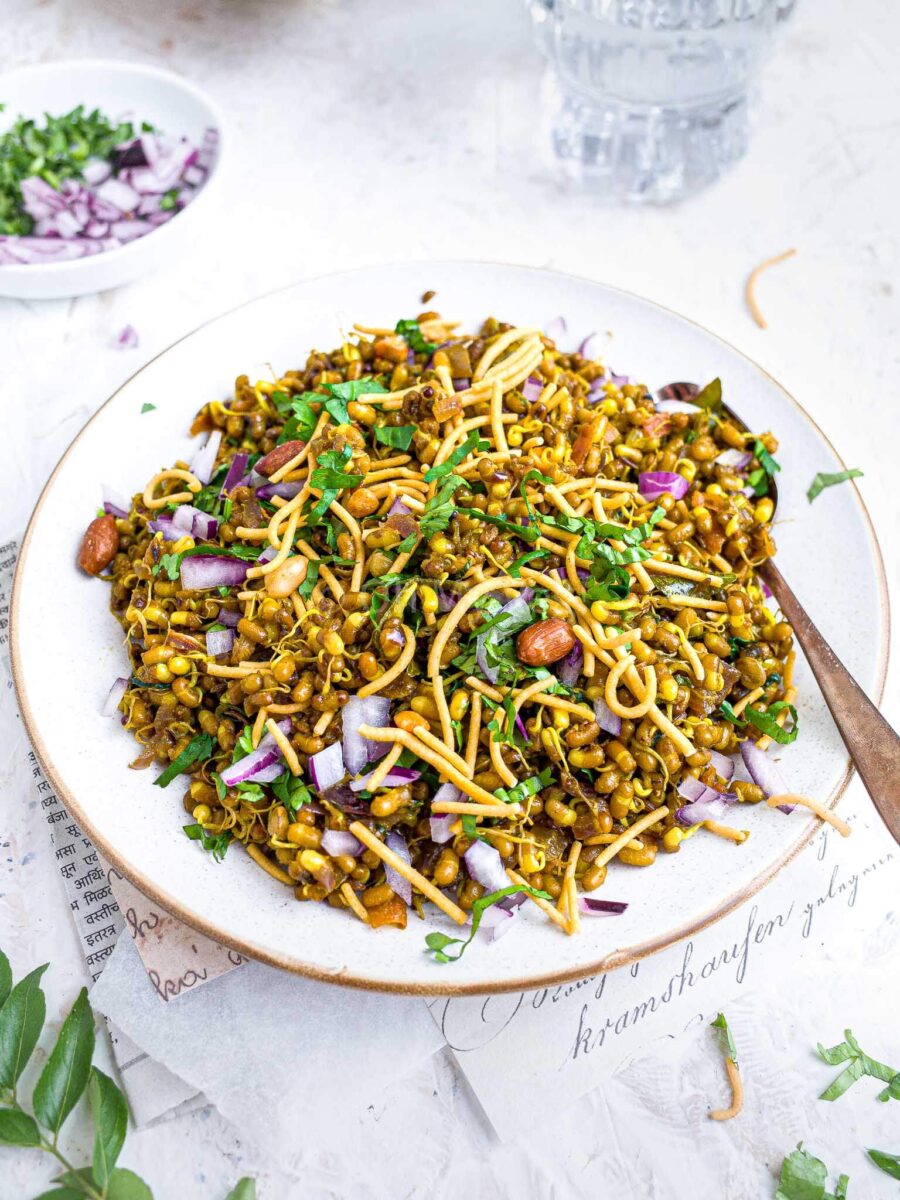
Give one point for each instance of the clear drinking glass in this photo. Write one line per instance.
(649, 97)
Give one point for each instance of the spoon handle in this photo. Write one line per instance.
(874, 746)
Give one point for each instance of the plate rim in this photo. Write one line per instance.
(445, 986)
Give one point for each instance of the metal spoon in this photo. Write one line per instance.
(873, 745)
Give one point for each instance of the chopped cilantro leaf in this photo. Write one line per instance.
(398, 436)
(291, 791)
(439, 509)
(415, 339)
(145, 408)
(827, 479)
(889, 1163)
(727, 1038)
(473, 442)
(198, 749)
(437, 943)
(216, 843)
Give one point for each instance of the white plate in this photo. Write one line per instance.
(67, 648)
(121, 90)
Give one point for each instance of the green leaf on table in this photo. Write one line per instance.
(125, 1185)
(802, 1176)
(860, 1064)
(727, 1037)
(198, 749)
(5, 977)
(889, 1163)
(21, 1022)
(244, 1189)
(110, 1115)
(145, 408)
(67, 1070)
(17, 1128)
(827, 479)
(62, 1193)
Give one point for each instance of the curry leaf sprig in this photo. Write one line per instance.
(67, 1076)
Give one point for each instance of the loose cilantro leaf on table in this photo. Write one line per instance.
(145, 408)
(803, 1178)
(859, 1064)
(727, 1037)
(827, 479)
(415, 339)
(215, 843)
(889, 1163)
(198, 749)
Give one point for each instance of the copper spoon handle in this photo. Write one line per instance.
(873, 745)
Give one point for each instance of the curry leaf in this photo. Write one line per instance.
(110, 1115)
(5, 977)
(66, 1072)
(125, 1185)
(244, 1189)
(21, 1022)
(17, 1128)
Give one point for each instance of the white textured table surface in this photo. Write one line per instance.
(365, 131)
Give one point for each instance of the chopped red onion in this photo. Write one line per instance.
(447, 791)
(114, 699)
(236, 469)
(398, 508)
(398, 883)
(570, 666)
(723, 764)
(226, 617)
(556, 328)
(374, 711)
(127, 338)
(460, 383)
(166, 526)
(440, 827)
(95, 171)
(590, 347)
(497, 921)
(327, 767)
(113, 503)
(267, 554)
(735, 459)
(394, 778)
(531, 389)
(202, 571)
(219, 641)
(203, 461)
(338, 841)
(764, 773)
(485, 866)
(593, 908)
(606, 718)
(119, 194)
(261, 765)
(702, 810)
(653, 484)
(287, 491)
(619, 380)
(515, 613)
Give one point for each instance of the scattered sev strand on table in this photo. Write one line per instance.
(749, 289)
(737, 1093)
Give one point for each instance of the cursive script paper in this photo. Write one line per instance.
(564, 1040)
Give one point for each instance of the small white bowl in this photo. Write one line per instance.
(119, 89)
